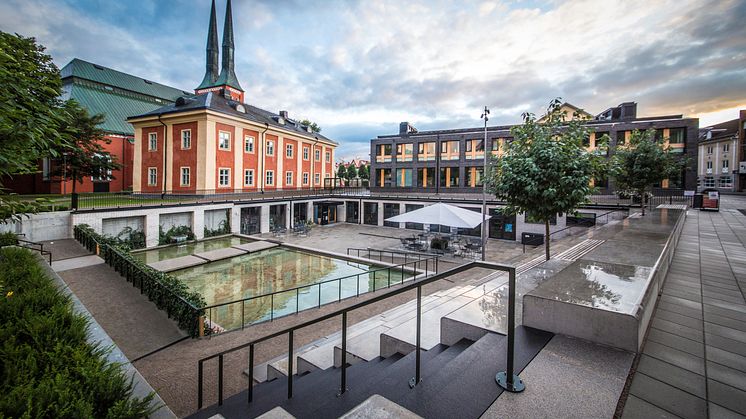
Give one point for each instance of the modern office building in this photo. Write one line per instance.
(213, 141)
(116, 95)
(721, 160)
(446, 161)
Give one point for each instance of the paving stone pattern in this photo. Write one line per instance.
(693, 364)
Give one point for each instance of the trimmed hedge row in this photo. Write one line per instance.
(166, 291)
(47, 366)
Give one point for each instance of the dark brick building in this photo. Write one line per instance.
(445, 161)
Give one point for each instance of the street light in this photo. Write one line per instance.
(484, 184)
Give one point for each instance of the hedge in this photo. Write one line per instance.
(8, 238)
(166, 291)
(47, 366)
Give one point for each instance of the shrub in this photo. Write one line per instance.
(47, 366)
(129, 238)
(8, 239)
(223, 228)
(165, 237)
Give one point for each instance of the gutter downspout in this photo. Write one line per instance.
(165, 154)
(262, 145)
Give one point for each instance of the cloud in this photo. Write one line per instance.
(359, 68)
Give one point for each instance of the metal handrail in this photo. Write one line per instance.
(579, 225)
(41, 250)
(393, 252)
(401, 267)
(510, 380)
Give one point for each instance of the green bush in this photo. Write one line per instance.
(165, 237)
(47, 367)
(8, 239)
(223, 228)
(129, 238)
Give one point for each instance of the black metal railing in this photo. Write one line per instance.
(106, 200)
(267, 307)
(393, 255)
(511, 378)
(585, 223)
(37, 247)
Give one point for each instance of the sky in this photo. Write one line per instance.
(358, 68)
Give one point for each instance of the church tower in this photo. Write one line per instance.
(226, 80)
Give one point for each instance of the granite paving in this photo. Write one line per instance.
(693, 362)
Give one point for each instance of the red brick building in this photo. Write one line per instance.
(214, 141)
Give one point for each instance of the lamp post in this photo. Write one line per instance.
(484, 184)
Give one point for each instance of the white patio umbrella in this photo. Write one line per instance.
(442, 214)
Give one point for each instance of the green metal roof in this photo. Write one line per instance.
(115, 107)
(78, 68)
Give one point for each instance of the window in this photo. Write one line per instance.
(224, 140)
(426, 151)
(726, 163)
(403, 177)
(709, 149)
(725, 182)
(316, 178)
(404, 152)
(102, 175)
(269, 178)
(726, 147)
(426, 177)
(224, 177)
(449, 150)
(317, 155)
(676, 136)
(305, 153)
(186, 139)
(289, 151)
(621, 137)
(288, 178)
(305, 178)
(473, 176)
(152, 176)
(270, 148)
(185, 178)
(328, 157)
(709, 182)
(449, 177)
(709, 165)
(248, 177)
(153, 141)
(248, 144)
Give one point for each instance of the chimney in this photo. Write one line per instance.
(629, 110)
(406, 129)
(284, 114)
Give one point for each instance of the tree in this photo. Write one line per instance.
(642, 162)
(351, 172)
(364, 172)
(342, 171)
(84, 156)
(314, 126)
(545, 170)
(30, 114)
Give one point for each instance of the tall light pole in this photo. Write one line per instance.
(484, 184)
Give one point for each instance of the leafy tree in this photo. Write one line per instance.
(87, 156)
(342, 171)
(364, 172)
(29, 105)
(642, 162)
(314, 126)
(351, 171)
(545, 170)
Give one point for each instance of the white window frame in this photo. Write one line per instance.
(726, 164)
(317, 179)
(248, 177)
(726, 147)
(709, 164)
(306, 153)
(269, 178)
(328, 156)
(288, 178)
(152, 141)
(152, 176)
(270, 148)
(248, 144)
(317, 155)
(186, 145)
(188, 174)
(305, 178)
(289, 151)
(227, 177)
(107, 177)
(220, 140)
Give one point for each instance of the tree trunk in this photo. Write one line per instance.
(73, 179)
(644, 202)
(546, 239)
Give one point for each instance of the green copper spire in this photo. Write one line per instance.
(227, 74)
(211, 73)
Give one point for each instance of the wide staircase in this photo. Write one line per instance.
(445, 389)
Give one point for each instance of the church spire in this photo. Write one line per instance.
(227, 74)
(211, 72)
